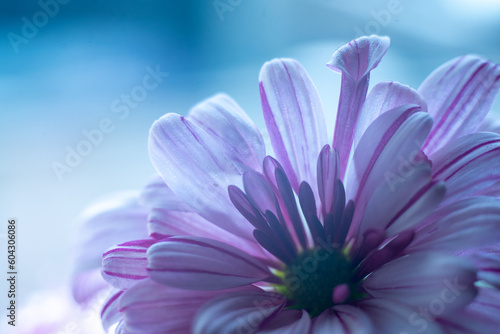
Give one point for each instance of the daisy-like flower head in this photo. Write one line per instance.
(375, 232)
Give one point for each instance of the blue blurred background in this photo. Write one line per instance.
(63, 72)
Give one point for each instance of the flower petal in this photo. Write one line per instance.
(343, 319)
(490, 124)
(479, 317)
(418, 279)
(383, 97)
(156, 194)
(202, 264)
(459, 94)
(149, 307)
(87, 284)
(197, 170)
(465, 165)
(389, 145)
(126, 263)
(328, 173)
(358, 57)
(403, 202)
(120, 328)
(166, 223)
(470, 223)
(355, 60)
(114, 219)
(294, 118)
(259, 193)
(396, 318)
(110, 313)
(235, 313)
(487, 261)
(288, 322)
(224, 120)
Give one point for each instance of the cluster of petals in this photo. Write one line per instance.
(405, 190)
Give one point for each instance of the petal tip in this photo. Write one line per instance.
(358, 57)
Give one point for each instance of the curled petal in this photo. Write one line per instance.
(355, 60)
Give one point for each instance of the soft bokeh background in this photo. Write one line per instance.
(63, 79)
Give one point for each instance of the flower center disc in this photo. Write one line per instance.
(310, 280)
